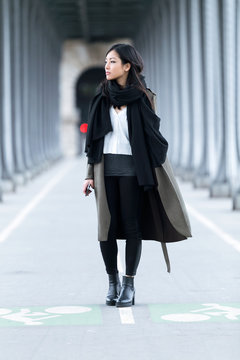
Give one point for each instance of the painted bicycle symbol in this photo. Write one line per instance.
(210, 310)
(28, 317)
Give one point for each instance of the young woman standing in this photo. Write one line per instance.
(136, 192)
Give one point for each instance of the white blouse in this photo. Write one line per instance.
(117, 141)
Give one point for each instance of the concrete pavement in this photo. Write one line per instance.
(53, 283)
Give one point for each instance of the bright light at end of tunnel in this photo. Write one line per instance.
(83, 128)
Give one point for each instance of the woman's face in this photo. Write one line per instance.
(114, 68)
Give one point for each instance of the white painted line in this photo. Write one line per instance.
(230, 240)
(4, 234)
(126, 316)
(119, 263)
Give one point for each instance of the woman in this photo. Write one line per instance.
(136, 193)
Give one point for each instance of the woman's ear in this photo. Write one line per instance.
(127, 66)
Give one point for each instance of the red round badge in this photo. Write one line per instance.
(83, 128)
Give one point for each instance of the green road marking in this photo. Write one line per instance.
(51, 316)
(195, 312)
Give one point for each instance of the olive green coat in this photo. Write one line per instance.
(164, 216)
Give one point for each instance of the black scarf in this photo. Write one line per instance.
(148, 146)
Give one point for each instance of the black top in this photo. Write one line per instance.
(118, 165)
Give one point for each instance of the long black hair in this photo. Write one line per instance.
(128, 54)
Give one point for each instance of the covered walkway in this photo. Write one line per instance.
(52, 279)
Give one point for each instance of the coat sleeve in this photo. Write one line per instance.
(90, 173)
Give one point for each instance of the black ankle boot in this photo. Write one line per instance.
(127, 294)
(114, 289)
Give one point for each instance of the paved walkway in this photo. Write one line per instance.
(53, 283)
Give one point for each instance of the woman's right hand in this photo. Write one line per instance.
(86, 183)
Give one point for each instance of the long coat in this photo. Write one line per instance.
(164, 216)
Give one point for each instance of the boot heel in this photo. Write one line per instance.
(133, 300)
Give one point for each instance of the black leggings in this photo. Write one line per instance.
(124, 197)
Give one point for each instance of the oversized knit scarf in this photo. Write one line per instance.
(149, 147)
